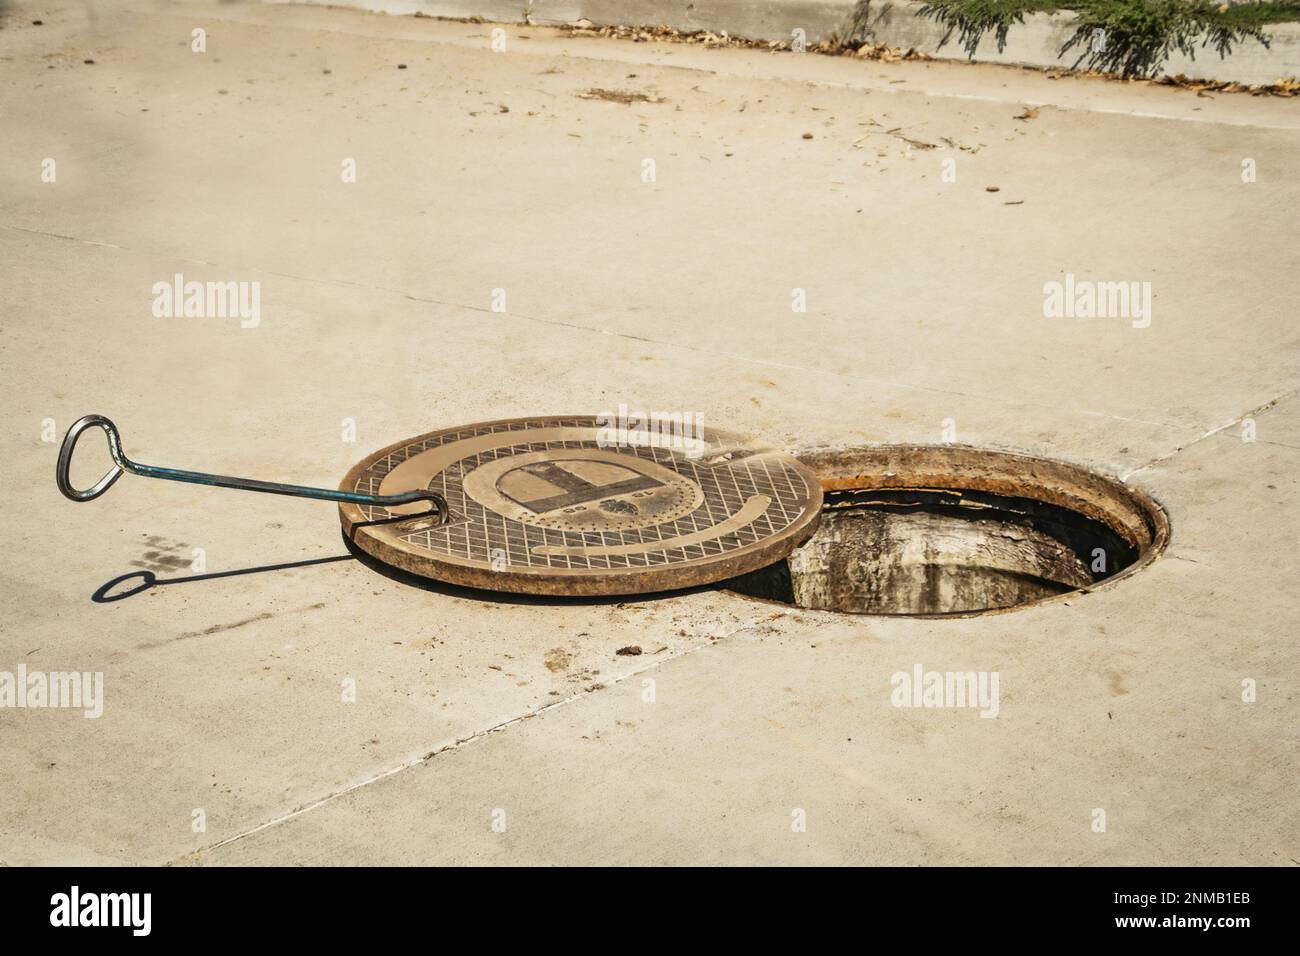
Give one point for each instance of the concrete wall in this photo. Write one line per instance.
(1035, 43)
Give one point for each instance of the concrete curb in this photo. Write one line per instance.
(1036, 43)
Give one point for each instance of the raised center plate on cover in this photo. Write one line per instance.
(570, 505)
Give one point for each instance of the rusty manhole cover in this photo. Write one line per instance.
(567, 506)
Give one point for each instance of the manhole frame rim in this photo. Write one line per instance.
(1154, 513)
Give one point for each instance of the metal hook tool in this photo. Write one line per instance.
(123, 463)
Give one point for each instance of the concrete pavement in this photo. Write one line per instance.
(510, 731)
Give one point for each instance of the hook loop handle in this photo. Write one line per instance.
(438, 504)
(61, 475)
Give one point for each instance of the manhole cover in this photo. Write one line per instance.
(570, 506)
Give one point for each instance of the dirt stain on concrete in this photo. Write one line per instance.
(164, 555)
(557, 659)
(218, 628)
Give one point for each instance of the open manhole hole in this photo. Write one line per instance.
(943, 530)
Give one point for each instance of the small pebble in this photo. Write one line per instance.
(991, 189)
(401, 66)
(88, 62)
(807, 136)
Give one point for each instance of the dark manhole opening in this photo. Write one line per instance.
(944, 530)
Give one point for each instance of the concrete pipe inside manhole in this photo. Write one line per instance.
(944, 530)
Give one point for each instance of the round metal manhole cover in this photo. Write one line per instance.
(572, 505)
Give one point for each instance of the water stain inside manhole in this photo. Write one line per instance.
(944, 530)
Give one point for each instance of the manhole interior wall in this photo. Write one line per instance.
(947, 530)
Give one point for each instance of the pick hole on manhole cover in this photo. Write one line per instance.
(944, 530)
